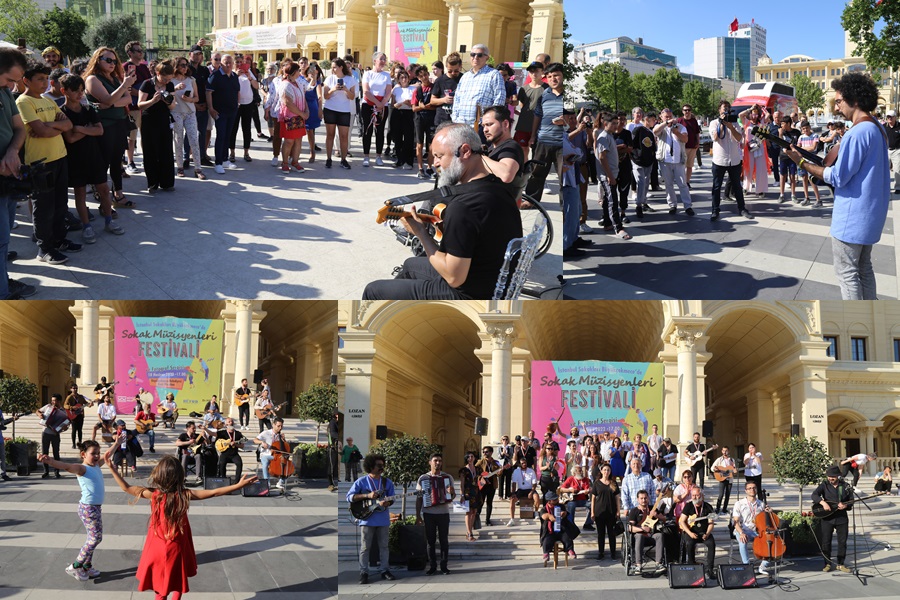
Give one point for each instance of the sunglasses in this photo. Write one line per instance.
(685, 110)
(109, 61)
(477, 54)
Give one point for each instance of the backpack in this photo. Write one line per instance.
(644, 146)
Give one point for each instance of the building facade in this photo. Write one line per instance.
(723, 58)
(757, 36)
(325, 29)
(755, 370)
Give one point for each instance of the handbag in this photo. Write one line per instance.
(294, 123)
(618, 527)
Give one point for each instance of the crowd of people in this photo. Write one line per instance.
(620, 482)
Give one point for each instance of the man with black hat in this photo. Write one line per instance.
(551, 514)
(834, 495)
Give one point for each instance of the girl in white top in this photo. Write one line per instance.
(184, 114)
(377, 88)
(402, 124)
(90, 478)
(339, 93)
(752, 462)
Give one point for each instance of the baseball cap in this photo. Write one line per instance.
(535, 65)
(196, 48)
(657, 472)
(50, 49)
(892, 113)
(550, 496)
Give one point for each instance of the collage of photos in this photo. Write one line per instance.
(589, 299)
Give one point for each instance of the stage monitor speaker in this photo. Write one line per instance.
(795, 429)
(1, 373)
(256, 489)
(23, 470)
(74, 370)
(257, 376)
(214, 483)
(334, 380)
(381, 432)
(481, 426)
(732, 577)
(686, 576)
(707, 429)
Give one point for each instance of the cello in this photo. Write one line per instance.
(281, 466)
(768, 545)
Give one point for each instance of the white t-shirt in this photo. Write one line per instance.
(245, 95)
(524, 480)
(860, 459)
(184, 108)
(339, 102)
(378, 82)
(753, 464)
(107, 412)
(268, 436)
(669, 146)
(401, 94)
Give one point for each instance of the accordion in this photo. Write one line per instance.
(435, 490)
(56, 420)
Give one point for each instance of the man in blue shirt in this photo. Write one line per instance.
(861, 177)
(548, 131)
(371, 487)
(222, 102)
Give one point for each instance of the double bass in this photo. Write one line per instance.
(768, 545)
(281, 466)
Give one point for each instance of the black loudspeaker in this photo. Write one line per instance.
(257, 376)
(334, 380)
(214, 483)
(23, 470)
(412, 545)
(381, 432)
(257, 489)
(795, 429)
(686, 576)
(707, 429)
(733, 577)
(1, 373)
(481, 426)
(74, 370)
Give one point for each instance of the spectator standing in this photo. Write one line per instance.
(548, 130)
(726, 159)
(246, 108)
(292, 116)
(339, 96)
(481, 86)
(692, 145)
(670, 156)
(376, 87)
(222, 90)
(314, 103)
(787, 168)
(156, 100)
(402, 125)
(424, 115)
(893, 132)
(200, 73)
(528, 96)
(136, 67)
(444, 90)
(184, 115)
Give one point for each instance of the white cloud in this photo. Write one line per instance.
(687, 68)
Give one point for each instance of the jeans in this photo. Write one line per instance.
(369, 535)
(669, 472)
(673, 175)
(437, 528)
(853, 267)
(641, 182)
(724, 490)
(746, 549)
(418, 280)
(570, 511)
(609, 200)
(49, 208)
(264, 460)
(7, 216)
(571, 205)
(152, 435)
(734, 180)
(224, 125)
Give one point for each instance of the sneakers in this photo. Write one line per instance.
(763, 570)
(379, 162)
(795, 199)
(114, 228)
(328, 163)
(366, 161)
(818, 204)
(131, 168)
(746, 214)
(280, 484)
(422, 175)
(78, 573)
(22, 290)
(68, 246)
(689, 211)
(88, 236)
(407, 167)
(276, 161)
(345, 164)
(92, 572)
(572, 554)
(843, 569)
(715, 215)
(781, 197)
(828, 568)
(511, 523)
(220, 169)
(546, 558)
(53, 257)
(585, 228)
(231, 165)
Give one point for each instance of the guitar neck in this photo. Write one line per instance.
(809, 156)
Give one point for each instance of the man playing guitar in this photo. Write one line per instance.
(107, 414)
(74, 406)
(144, 422)
(696, 526)
(242, 399)
(228, 442)
(211, 410)
(436, 515)
(264, 411)
(488, 485)
(643, 534)
(724, 469)
(169, 410)
(189, 445)
(834, 493)
(373, 486)
(103, 389)
(698, 467)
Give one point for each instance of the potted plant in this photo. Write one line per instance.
(802, 461)
(318, 404)
(20, 446)
(19, 396)
(313, 465)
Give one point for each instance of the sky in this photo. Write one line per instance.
(674, 29)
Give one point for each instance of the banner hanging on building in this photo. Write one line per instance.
(596, 396)
(414, 42)
(277, 37)
(166, 354)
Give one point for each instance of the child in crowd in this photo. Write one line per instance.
(85, 158)
(787, 167)
(55, 92)
(808, 142)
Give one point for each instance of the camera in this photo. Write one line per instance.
(730, 117)
(33, 179)
(167, 97)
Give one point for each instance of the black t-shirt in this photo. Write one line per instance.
(508, 149)
(478, 224)
(183, 438)
(224, 435)
(624, 137)
(705, 509)
(791, 136)
(89, 145)
(201, 76)
(606, 498)
(665, 451)
(159, 111)
(644, 143)
(444, 86)
(893, 135)
(636, 516)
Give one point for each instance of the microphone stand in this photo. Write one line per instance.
(855, 570)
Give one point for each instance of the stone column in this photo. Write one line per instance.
(382, 30)
(684, 338)
(870, 448)
(90, 339)
(452, 25)
(244, 335)
(358, 354)
(502, 336)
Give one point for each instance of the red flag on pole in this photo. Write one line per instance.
(734, 25)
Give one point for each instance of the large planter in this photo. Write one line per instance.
(24, 453)
(313, 462)
(409, 547)
(802, 548)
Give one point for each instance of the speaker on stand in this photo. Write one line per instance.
(257, 376)
(381, 432)
(74, 370)
(707, 428)
(481, 426)
(795, 429)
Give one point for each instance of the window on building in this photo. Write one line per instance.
(896, 350)
(262, 17)
(250, 19)
(293, 14)
(858, 348)
(832, 350)
(303, 13)
(316, 55)
(315, 11)
(330, 10)
(278, 15)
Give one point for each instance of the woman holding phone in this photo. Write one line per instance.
(184, 114)
(339, 92)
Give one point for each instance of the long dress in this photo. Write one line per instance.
(617, 462)
(312, 102)
(166, 564)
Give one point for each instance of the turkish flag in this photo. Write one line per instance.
(734, 25)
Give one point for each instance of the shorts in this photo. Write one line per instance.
(333, 117)
(520, 494)
(424, 131)
(522, 138)
(136, 115)
(787, 166)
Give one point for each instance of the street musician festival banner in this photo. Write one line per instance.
(166, 354)
(596, 396)
(413, 42)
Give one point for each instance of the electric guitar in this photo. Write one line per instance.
(821, 513)
(265, 413)
(389, 212)
(365, 508)
(483, 478)
(815, 159)
(650, 521)
(695, 457)
(695, 519)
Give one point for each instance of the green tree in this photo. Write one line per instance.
(609, 86)
(808, 93)
(859, 19)
(20, 19)
(802, 461)
(568, 48)
(318, 404)
(113, 31)
(65, 30)
(640, 84)
(406, 459)
(17, 396)
(700, 97)
(665, 87)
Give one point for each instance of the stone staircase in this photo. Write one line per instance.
(521, 541)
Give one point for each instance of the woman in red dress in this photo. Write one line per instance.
(168, 558)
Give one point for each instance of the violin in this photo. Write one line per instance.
(768, 545)
(281, 466)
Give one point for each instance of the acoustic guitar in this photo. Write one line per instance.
(389, 212)
(695, 457)
(100, 395)
(78, 410)
(724, 475)
(242, 399)
(145, 425)
(484, 477)
(268, 412)
(224, 444)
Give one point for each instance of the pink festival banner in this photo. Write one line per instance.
(596, 396)
(166, 354)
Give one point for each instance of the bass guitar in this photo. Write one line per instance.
(696, 457)
(265, 413)
(820, 513)
(365, 508)
(650, 521)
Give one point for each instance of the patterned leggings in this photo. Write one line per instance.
(93, 522)
(186, 124)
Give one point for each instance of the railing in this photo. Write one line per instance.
(887, 461)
